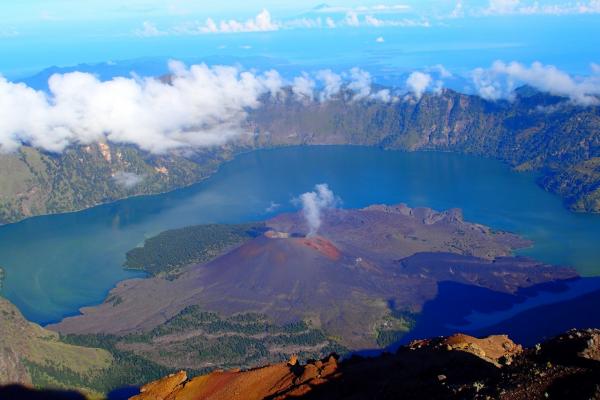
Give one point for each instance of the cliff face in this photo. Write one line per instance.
(459, 366)
(535, 132)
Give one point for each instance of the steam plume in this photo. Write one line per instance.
(313, 203)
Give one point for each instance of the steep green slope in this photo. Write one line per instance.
(30, 354)
(535, 132)
(34, 183)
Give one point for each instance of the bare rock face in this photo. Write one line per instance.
(494, 349)
(574, 346)
(162, 388)
(592, 345)
(278, 381)
(455, 367)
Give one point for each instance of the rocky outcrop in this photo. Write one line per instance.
(497, 349)
(456, 367)
(278, 381)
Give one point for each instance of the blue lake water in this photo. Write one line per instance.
(56, 264)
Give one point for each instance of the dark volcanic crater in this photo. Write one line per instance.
(361, 269)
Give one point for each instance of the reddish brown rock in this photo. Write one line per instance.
(163, 388)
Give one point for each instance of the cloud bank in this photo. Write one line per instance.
(261, 23)
(417, 83)
(199, 106)
(196, 106)
(500, 80)
(513, 7)
(372, 16)
(313, 205)
(328, 85)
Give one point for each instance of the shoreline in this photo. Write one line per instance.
(268, 148)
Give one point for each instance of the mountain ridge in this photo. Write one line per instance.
(37, 183)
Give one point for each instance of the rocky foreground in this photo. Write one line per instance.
(460, 366)
(455, 367)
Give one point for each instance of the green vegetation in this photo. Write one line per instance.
(126, 369)
(2, 276)
(578, 184)
(242, 340)
(34, 183)
(394, 327)
(38, 356)
(174, 249)
(535, 132)
(200, 341)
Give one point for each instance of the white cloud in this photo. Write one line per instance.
(273, 206)
(127, 180)
(499, 82)
(440, 71)
(390, 8)
(417, 83)
(352, 19)
(262, 22)
(313, 205)
(378, 8)
(383, 95)
(200, 106)
(360, 83)
(307, 23)
(332, 84)
(380, 39)
(502, 6)
(273, 82)
(373, 21)
(303, 87)
(197, 106)
(149, 30)
(458, 10)
(510, 7)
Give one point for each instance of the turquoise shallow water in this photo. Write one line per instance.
(57, 264)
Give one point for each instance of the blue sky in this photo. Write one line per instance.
(383, 50)
(391, 34)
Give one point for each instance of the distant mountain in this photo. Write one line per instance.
(536, 132)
